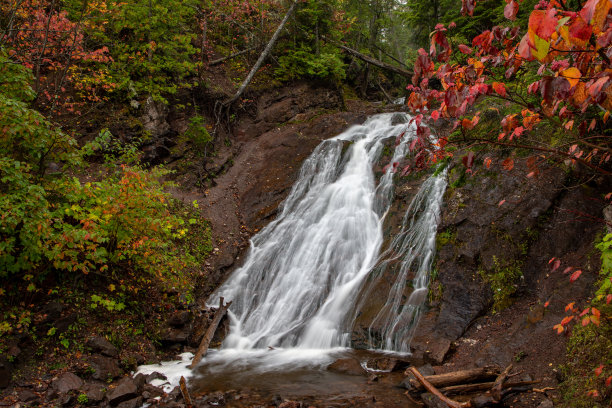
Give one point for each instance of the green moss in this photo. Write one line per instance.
(503, 281)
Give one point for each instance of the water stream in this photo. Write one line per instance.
(295, 296)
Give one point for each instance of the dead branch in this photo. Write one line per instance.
(433, 390)
(377, 63)
(210, 332)
(263, 55)
(496, 391)
(234, 55)
(480, 387)
(185, 392)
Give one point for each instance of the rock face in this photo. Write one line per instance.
(498, 225)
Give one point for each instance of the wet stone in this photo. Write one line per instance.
(348, 366)
(104, 368)
(28, 396)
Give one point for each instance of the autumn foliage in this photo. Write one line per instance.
(567, 51)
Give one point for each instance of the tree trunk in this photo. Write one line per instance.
(203, 349)
(263, 55)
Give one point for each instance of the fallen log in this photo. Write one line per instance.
(439, 397)
(496, 390)
(210, 332)
(454, 378)
(234, 55)
(480, 387)
(377, 63)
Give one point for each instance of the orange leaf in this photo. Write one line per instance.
(595, 320)
(499, 88)
(487, 162)
(560, 329)
(508, 164)
(586, 320)
(572, 75)
(608, 381)
(570, 306)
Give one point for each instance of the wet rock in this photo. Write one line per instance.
(101, 345)
(155, 376)
(67, 382)
(6, 372)
(124, 391)
(94, 391)
(387, 364)
(152, 391)
(426, 369)
(140, 380)
(105, 368)
(175, 336)
(348, 366)
(67, 400)
(546, 404)
(28, 396)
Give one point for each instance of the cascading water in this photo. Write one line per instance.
(413, 249)
(295, 298)
(299, 281)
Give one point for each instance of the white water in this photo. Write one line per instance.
(293, 299)
(414, 249)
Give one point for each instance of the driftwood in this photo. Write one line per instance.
(434, 391)
(454, 378)
(234, 55)
(185, 392)
(494, 392)
(203, 349)
(263, 55)
(377, 63)
(480, 387)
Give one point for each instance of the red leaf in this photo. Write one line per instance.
(575, 275)
(501, 203)
(598, 370)
(585, 311)
(568, 270)
(608, 381)
(467, 7)
(570, 306)
(499, 88)
(487, 162)
(555, 265)
(435, 115)
(543, 23)
(465, 49)
(508, 164)
(586, 321)
(511, 9)
(608, 299)
(547, 303)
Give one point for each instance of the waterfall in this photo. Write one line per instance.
(303, 271)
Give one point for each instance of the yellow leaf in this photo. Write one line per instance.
(111, 287)
(572, 75)
(542, 47)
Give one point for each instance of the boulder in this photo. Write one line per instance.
(66, 382)
(100, 345)
(94, 391)
(125, 390)
(104, 368)
(28, 396)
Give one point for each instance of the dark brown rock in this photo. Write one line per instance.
(28, 396)
(105, 368)
(94, 391)
(180, 318)
(124, 391)
(101, 345)
(133, 403)
(67, 382)
(348, 366)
